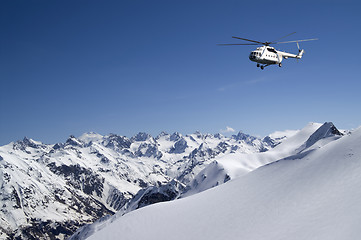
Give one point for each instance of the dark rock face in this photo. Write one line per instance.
(24, 144)
(58, 146)
(16, 198)
(72, 141)
(80, 178)
(116, 142)
(44, 230)
(155, 198)
(245, 137)
(37, 228)
(156, 194)
(271, 142)
(325, 131)
(179, 147)
(222, 147)
(175, 137)
(30, 143)
(148, 150)
(116, 199)
(140, 137)
(227, 178)
(335, 131)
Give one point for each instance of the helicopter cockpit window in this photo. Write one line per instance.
(271, 50)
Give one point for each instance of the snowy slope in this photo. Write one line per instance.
(308, 196)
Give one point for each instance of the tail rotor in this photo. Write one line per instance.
(298, 46)
(300, 51)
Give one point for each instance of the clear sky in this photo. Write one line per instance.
(69, 67)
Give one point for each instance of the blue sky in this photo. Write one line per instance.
(69, 67)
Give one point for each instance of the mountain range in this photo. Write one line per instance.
(48, 191)
(88, 186)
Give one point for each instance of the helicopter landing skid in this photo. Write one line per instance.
(262, 66)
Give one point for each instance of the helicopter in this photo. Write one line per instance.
(265, 55)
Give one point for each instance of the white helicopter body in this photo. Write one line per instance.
(268, 55)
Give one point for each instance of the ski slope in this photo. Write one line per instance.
(307, 196)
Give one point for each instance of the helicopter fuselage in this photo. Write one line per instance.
(269, 55)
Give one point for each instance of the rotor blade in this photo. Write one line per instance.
(245, 39)
(229, 44)
(282, 37)
(304, 40)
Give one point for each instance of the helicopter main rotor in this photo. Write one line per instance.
(266, 43)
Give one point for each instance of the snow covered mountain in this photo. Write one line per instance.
(49, 191)
(307, 188)
(228, 167)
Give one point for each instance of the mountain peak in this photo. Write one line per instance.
(328, 129)
(218, 135)
(27, 142)
(73, 141)
(162, 134)
(141, 136)
(202, 136)
(175, 136)
(116, 142)
(243, 136)
(30, 142)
